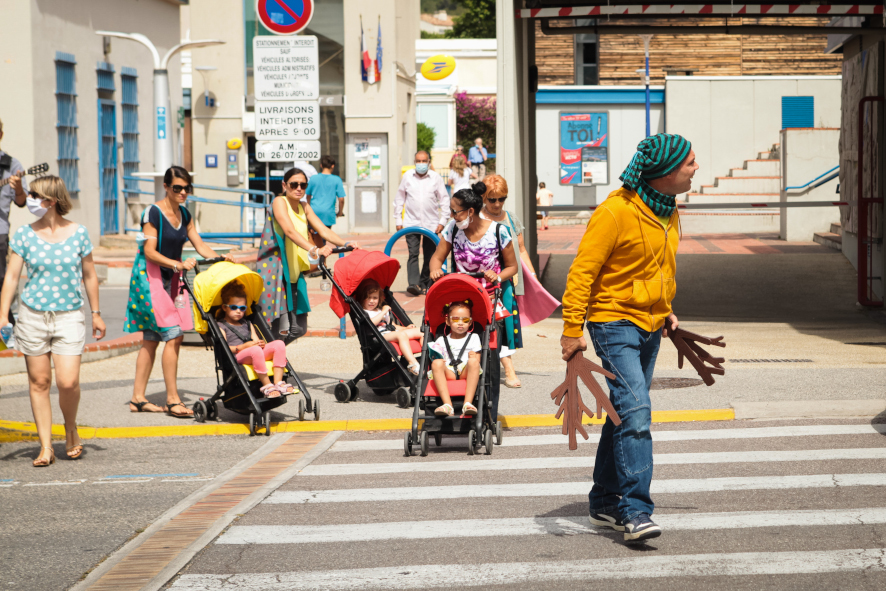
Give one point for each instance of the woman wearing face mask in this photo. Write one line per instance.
(494, 209)
(286, 253)
(51, 321)
(478, 245)
(154, 307)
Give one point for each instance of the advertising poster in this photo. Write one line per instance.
(584, 148)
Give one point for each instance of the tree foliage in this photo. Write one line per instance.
(477, 21)
(475, 117)
(425, 137)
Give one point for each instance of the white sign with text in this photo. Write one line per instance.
(287, 151)
(286, 68)
(287, 120)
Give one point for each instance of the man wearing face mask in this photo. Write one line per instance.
(477, 157)
(16, 191)
(421, 201)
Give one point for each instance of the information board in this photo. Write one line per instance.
(287, 120)
(287, 151)
(584, 148)
(286, 68)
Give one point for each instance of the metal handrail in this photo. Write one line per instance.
(832, 172)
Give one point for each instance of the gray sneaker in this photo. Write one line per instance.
(610, 520)
(640, 529)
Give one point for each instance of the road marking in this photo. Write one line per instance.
(121, 481)
(186, 479)
(70, 483)
(513, 573)
(556, 489)
(658, 436)
(584, 462)
(529, 526)
(150, 475)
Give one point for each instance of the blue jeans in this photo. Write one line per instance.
(623, 469)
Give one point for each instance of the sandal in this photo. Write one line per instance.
(74, 451)
(285, 388)
(444, 411)
(515, 383)
(40, 463)
(469, 410)
(270, 391)
(179, 415)
(414, 369)
(139, 406)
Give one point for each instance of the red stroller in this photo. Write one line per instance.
(383, 366)
(484, 428)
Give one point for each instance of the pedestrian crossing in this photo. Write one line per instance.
(782, 502)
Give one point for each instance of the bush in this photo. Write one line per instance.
(476, 22)
(475, 117)
(425, 138)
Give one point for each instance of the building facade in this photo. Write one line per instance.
(82, 103)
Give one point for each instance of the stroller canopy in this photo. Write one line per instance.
(356, 267)
(457, 287)
(209, 283)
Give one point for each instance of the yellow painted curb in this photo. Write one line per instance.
(15, 430)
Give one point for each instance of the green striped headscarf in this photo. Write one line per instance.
(656, 156)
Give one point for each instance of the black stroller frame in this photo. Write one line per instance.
(236, 391)
(483, 429)
(379, 356)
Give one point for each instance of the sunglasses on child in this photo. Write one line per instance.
(297, 185)
(236, 308)
(464, 320)
(180, 188)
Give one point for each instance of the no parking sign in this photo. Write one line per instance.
(284, 17)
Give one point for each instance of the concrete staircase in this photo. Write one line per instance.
(832, 239)
(759, 180)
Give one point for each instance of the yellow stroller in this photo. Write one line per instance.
(238, 386)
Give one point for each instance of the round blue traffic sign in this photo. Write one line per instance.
(284, 17)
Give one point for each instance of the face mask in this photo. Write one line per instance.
(422, 167)
(35, 207)
(463, 225)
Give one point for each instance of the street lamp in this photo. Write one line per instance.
(162, 115)
(646, 40)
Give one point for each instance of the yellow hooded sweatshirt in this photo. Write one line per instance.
(624, 268)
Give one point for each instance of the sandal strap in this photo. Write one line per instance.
(181, 404)
(139, 405)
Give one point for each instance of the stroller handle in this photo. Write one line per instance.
(479, 275)
(340, 249)
(211, 261)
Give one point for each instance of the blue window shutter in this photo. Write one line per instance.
(66, 121)
(797, 111)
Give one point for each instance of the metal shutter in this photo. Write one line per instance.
(797, 111)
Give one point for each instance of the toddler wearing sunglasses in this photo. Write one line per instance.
(456, 356)
(247, 346)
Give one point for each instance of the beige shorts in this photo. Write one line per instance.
(38, 333)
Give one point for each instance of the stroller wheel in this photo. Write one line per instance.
(200, 411)
(407, 444)
(342, 392)
(403, 397)
(252, 425)
(487, 441)
(438, 439)
(316, 410)
(423, 440)
(472, 442)
(213, 411)
(354, 390)
(498, 433)
(266, 419)
(301, 409)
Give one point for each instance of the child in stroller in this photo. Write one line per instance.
(246, 345)
(371, 296)
(445, 365)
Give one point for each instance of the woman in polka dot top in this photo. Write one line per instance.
(57, 254)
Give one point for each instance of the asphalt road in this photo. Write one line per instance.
(744, 505)
(60, 521)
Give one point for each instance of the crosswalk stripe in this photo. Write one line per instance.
(554, 489)
(658, 436)
(476, 575)
(578, 461)
(528, 526)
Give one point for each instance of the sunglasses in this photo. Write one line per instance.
(179, 188)
(297, 185)
(453, 212)
(499, 200)
(465, 320)
(236, 308)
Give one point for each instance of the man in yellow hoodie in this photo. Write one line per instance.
(621, 284)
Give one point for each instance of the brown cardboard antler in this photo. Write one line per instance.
(568, 397)
(688, 347)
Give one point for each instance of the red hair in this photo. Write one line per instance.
(496, 186)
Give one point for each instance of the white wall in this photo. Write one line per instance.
(730, 119)
(807, 154)
(627, 128)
